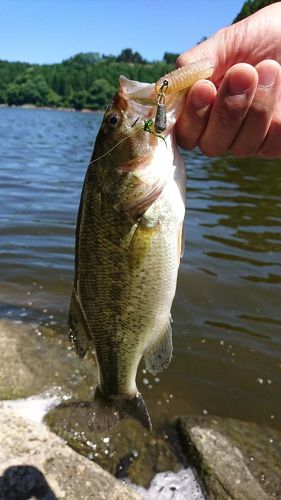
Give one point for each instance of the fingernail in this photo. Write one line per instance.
(267, 74)
(203, 97)
(239, 81)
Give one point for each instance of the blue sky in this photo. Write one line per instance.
(47, 31)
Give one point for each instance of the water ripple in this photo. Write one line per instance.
(226, 313)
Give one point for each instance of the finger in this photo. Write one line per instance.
(251, 40)
(271, 147)
(257, 122)
(233, 100)
(194, 117)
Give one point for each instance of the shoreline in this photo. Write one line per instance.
(51, 108)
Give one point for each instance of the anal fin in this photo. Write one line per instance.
(79, 334)
(159, 356)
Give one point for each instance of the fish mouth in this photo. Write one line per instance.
(141, 101)
(142, 93)
(145, 93)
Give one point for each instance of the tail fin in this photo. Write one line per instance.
(107, 411)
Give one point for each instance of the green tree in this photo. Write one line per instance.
(170, 57)
(29, 87)
(127, 55)
(3, 93)
(100, 94)
(251, 6)
(83, 80)
(77, 100)
(12, 94)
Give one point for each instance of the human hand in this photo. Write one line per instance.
(239, 111)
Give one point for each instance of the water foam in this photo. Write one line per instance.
(172, 486)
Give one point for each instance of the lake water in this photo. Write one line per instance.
(227, 318)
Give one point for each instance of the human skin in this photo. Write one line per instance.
(239, 110)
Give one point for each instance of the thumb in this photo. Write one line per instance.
(250, 41)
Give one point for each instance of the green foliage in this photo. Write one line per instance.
(77, 99)
(85, 57)
(127, 55)
(251, 6)
(85, 80)
(29, 87)
(99, 94)
(170, 57)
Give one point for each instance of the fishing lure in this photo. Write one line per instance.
(175, 81)
(183, 78)
(160, 117)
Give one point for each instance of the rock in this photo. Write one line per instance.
(34, 462)
(234, 459)
(38, 362)
(33, 363)
(15, 376)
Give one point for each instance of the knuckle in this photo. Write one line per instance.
(271, 147)
(208, 149)
(260, 109)
(181, 61)
(267, 151)
(226, 115)
(241, 152)
(187, 144)
(242, 148)
(185, 141)
(266, 155)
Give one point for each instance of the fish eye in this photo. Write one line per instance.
(111, 122)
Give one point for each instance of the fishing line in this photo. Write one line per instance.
(147, 128)
(44, 191)
(118, 144)
(148, 124)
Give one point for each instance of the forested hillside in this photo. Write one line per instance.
(83, 81)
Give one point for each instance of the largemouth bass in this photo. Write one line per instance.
(128, 247)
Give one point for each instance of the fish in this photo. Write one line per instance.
(129, 241)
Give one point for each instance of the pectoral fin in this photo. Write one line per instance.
(79, 334)
(181, 241)
(141, 243)
(158, 358)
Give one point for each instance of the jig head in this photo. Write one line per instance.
(160, 117)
